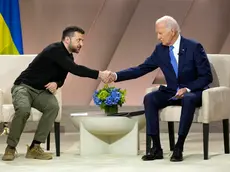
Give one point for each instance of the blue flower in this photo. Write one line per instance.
(96, 100)
(109, 101)
(114, 98)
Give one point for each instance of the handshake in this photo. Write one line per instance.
(107, 76)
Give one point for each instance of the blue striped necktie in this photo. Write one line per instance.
(173, 60)
(174, 65)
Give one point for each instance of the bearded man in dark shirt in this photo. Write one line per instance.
(35, 87)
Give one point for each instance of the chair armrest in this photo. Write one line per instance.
(1, 100)
(1, 97)
(215, 104)
(151, 89)
(1, 104)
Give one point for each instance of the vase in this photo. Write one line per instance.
(109, 110)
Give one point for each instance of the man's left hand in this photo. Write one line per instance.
(51, 86)
(180, 93)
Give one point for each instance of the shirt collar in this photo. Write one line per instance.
(67, 52)
(177, 43)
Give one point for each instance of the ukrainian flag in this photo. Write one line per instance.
(10, 28)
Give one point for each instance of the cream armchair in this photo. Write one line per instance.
(10, 68)
(215, 104)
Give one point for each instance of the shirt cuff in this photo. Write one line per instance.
(115, 76)
(188, 90)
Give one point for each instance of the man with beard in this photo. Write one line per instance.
(36, 86)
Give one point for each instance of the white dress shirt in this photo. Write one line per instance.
(176, 49)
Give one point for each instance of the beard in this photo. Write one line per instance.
(75, 49)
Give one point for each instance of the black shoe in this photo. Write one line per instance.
(153, 154)
(177, 155)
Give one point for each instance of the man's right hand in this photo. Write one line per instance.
(52, 87)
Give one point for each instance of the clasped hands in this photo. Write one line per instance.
(107, 76)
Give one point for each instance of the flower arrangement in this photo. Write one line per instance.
(108, 98)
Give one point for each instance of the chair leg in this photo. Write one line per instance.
(148, 144)
(205, 140)
(48, 142)
(57, 137)
(171, 135)
(226, 135)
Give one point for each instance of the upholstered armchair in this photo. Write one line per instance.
(11, 67)
(215, 105)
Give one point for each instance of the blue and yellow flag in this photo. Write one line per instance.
(10, 28)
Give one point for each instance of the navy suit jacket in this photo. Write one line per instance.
(194, 70)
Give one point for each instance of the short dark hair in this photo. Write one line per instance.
(69, 31)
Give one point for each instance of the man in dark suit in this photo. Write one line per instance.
(187, 73)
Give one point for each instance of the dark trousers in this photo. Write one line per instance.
(157, 100)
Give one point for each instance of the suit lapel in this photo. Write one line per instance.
(182, 55)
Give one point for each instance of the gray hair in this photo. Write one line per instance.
(171, 23)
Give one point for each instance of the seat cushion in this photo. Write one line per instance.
(172, 113)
